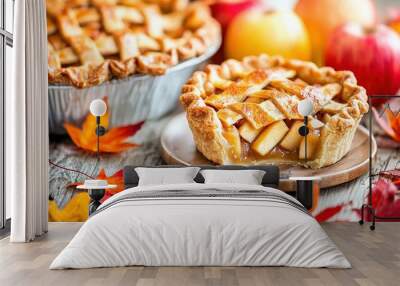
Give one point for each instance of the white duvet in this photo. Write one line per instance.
(188, 231)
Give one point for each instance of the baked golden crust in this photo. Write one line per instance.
(248, 97)
(90, 42)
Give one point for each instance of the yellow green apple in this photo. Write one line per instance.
(256, 31)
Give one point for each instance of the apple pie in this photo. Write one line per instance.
(247, 112)
(93, 41)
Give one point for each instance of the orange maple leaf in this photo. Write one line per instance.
(116, 179)
(390, 123)
(111, 142)
(394, 124)
(77, 208)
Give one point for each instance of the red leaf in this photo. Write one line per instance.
(390, 123)
(120, 133)
(391, 174)
(384, 199)
(328, 213)
(383, 123)
(116, 179)
(73, 185)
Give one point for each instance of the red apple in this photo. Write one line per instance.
(321, 17)
(373, 54)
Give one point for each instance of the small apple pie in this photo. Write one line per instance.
(93, 41)
(247, 112)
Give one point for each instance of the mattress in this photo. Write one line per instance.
(201, 225)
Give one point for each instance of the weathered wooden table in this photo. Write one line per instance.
(351, 195)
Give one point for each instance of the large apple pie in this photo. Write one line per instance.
(92, 41)
(246, 112)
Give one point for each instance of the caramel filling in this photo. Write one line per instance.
(277, 142)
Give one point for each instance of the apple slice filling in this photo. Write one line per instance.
(278, 140)
(293, 138)
(312, 143)
(248, 132)
(270, 137)
(260, 117)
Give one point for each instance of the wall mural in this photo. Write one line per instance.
(116, 53)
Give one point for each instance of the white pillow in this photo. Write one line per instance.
(248, 177)
(164, 176)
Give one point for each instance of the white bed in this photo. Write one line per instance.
(201, 224)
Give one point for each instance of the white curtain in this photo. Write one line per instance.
(27, 124)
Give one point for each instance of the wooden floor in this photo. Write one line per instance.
(375, 257)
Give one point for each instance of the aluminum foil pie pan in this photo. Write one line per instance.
(134, 99)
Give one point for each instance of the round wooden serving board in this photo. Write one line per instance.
(179, 148)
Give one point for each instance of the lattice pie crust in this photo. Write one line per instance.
(93, 41)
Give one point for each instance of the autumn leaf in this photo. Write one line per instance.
(115, 179)
(397, 184)
(384, 199)
(390, 123)
(77, 208)
(392, 175)
(114, 141)
(394, 124)
(328, 213)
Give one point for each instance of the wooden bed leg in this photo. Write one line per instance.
(95, 197)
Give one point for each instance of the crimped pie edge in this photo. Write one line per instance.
(336, 136)
(204, 37)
